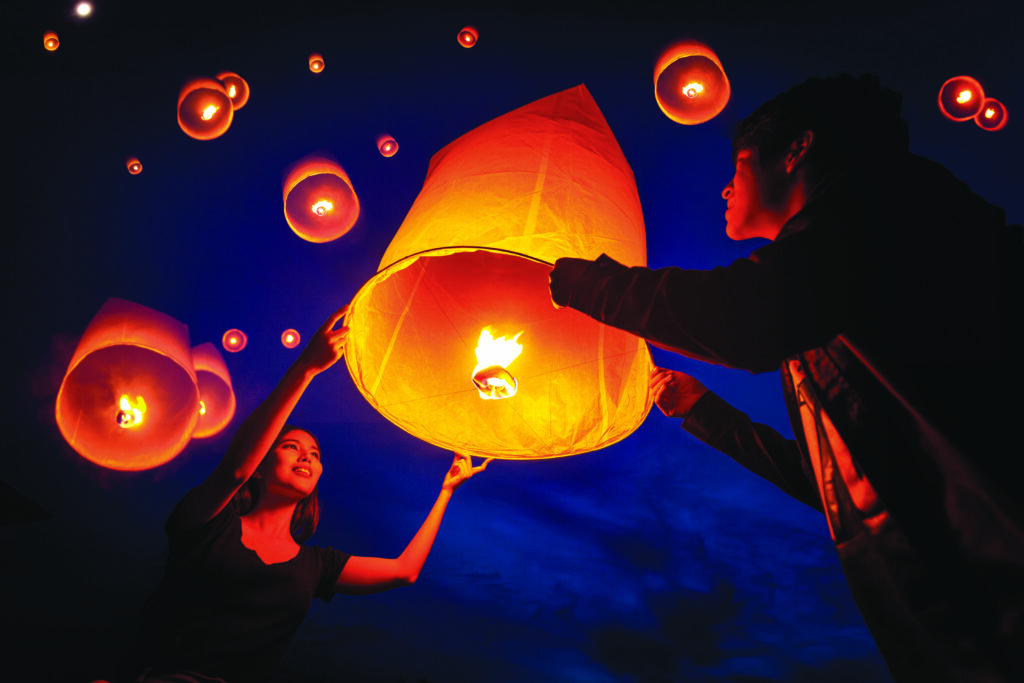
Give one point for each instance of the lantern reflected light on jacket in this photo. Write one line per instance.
(960, 98)
(992, 115)
(468, 36)
(316, 63)
(690, 85)
(498, 206)
(387, 145)
(204, 109)
(290, 338)
(50, 41)
(216, 395)
(319, 202)
(129, 398)
(234, 340)
(236, 88)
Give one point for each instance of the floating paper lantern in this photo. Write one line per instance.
(387, 145)
(50, 41)
(316, 63)
(83, 9)
(690, 84)
(204, 109)
(129, 399)
(234, 340)
(290, 338)
(960, 98)
(992, 115)
(235, 87)
(319, 202)
(470, 263)
(468, 36)
(216, 396)
(134, 166)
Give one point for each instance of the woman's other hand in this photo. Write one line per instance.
(327, 345)
(461, 470)
(675, 392)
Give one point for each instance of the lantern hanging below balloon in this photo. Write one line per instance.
(204, 109)
(386, 145)
(468, 36)
(50, 41)
(960, 98)
(469, 266)
(316, 63)
(290, 338)
(130, 398)
(216, 396)
(690, 85)
(234, 340)
(992, 115)
(133, 165)
(320, 204)
(236, 88)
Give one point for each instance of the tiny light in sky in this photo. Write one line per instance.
(992, 115)
(83, 9)
(134, 165)
(387, 145)
(468, 36)
(690, 85)
(234, 340)
(50, 41)
(316, 63)
(290, 338)
(236, 87)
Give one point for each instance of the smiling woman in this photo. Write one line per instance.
(238, 580)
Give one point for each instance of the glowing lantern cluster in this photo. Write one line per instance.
(206, 106)
(236, 88)
(468, 36)
(216, 395)
(469, 265)
(133, 165)
(962, 98)
(690, 84)
(50, 41)
(320, 204)
(387, 145)
(316, 63)
(234, 340)
(290, 338)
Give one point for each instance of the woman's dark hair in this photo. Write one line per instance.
(307, 510)
(852, 118)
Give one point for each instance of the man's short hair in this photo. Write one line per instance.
(852, 118)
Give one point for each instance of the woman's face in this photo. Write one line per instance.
(294, 465)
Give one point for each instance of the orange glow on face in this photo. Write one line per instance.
(50, 41)
(491, 376)
(468, 36)
(236, 88)
(690, 85)
(960, 98)
(290, 339)
(204, 109)
(993, 115)
(320, 204)
(387, 145)
(234, 340)
(134, 166)
(130, 413)
(316, 63)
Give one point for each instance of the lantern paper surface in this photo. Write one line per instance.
(690, 84)
(216, 396)
(498, 206)
(130, 356)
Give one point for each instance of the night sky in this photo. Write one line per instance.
(656, 559)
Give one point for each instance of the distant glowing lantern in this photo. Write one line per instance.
(690, 84)
(216, 396)
(992, 115)
(236, 88)
(50, 41)
(129, 399)
(468, 36)
(83, 9)
(470, 264)
(204, 109)
(319, 202)
(234, 340)
(134, 166)
(387, 145)
(290, 338)
(960, 98)
(316, 63)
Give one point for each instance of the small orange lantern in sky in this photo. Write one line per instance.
(290, 338)
(468, 36)
(216, 396)
(960, 98)
(204, 109)
(316, 63)
(129, 399)
(690, 84)
(320, 204)
(387, 145)
(992, 115)
(468, 269)
(50, 41)
(134, 166)
(234, 340)
(235, 87)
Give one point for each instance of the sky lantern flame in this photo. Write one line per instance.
(690, 85)
(316, 63)
(498, 206)
(493, 356)
(216, 395)
(236, 87)
(234, 340)
(50, 41)
(202, 408)
(130, 413)
(386, 145)
(960, 98)
(320, 204)
(992, 115)
(204, 109)
(468, 36)
(290, 338)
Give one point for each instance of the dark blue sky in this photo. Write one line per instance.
(656, 559)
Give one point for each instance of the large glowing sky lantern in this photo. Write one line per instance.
(690, 84)
(992, 115)
(455, 339)
(320, 204)
(216, 396)
(204, 109)
(129, 399)
(960, 98)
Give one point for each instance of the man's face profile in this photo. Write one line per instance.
(756, 198)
